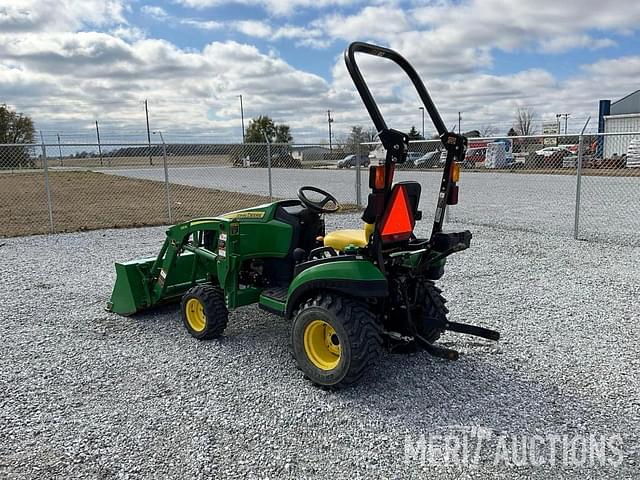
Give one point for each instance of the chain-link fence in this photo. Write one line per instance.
(67, 187)
(587, 186)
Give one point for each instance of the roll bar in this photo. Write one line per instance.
(365, 93)
(397, 143)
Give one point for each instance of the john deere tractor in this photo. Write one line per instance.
(347, 293)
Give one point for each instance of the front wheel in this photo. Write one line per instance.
(336, 339)
(204, 312)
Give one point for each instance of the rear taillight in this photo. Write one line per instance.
(455, 172)
(376, 177)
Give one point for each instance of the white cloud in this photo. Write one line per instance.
(379, 22)
(565, 43)
(58, 15)
(129, 33)
(275, 7)
(306, 36)
(201, 24)
(254, 28)
(77, 76)
(154, 11)
(510, 25)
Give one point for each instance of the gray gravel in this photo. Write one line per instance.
(87, 394)
(537, 202)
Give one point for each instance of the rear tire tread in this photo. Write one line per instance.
(434, 313)
(362, 327)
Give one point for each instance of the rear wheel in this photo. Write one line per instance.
(204, 312)
(335, 340)
(433, 312)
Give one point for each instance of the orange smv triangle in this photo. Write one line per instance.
(397, 223)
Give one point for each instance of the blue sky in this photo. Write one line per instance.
(70, 62)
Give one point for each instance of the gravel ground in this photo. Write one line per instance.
(538, 202)
(88, 394)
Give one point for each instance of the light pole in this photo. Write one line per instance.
(166, 175)
(146, 113)
(422, 110)
(329, 121)
(242, 116)
(459, 120)
(159, 132)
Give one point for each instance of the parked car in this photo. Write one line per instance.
(555, 160)
(278, 160)
(548, 151)
(350, 161)
(428, 160)
(412, 158)
(474, 156)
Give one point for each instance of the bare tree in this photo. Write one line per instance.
(488, 130)
(524, 121)
(372, 134)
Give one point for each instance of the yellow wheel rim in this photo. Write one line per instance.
(322, 345)
(195, 314)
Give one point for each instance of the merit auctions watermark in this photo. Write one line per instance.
(470, 446)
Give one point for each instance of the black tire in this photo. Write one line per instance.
(356, 330)
(433, 312)
(214, 310)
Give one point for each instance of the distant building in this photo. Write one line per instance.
(310, 153)
(620, 116)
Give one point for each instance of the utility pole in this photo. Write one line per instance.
(329, 121)
(59, 148)
(99, 147)
(422, 110)
(242, 117)
(146, 112)
(459, 119)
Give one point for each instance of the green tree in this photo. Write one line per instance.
(276, 133)
(15, 128)
(414, 134)
(283, 134)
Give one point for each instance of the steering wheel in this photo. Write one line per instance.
(321, 205)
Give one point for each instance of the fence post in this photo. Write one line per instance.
(358, 178)
(47, 187)
(166, 179)
(266, 139)
(576, 224)
(59, 150)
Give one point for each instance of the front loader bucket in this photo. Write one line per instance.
(137, 288)
(131, 293)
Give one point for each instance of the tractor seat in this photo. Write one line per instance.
(341, 239)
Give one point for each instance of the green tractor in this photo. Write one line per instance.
(347, 293)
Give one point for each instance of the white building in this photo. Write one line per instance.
(623, 116)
